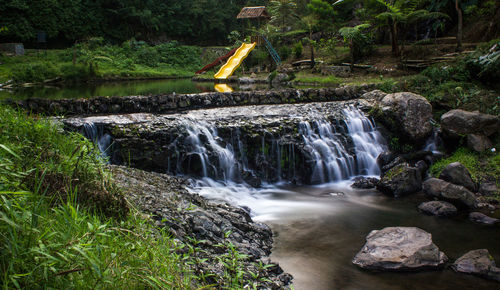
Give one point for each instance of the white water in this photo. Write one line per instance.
(331, 159)
(101, 139)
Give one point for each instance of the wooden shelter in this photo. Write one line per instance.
(258, 12)
(255, 13)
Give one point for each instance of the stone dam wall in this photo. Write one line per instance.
(171, 103)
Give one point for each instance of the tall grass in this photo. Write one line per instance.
(64, 225)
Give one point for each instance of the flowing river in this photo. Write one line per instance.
(318, 228)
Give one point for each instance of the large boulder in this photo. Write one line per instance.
(477, 262)
(444, 190)
(459, 122)
(438, 208)
(401, 180)
(478, 142)
(458, 174)
(399, 249)
(408, 113)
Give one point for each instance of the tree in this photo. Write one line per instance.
(352, 35)
(310, 21)
(283, 12)
(399, 14)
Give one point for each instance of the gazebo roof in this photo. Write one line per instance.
(253, 12)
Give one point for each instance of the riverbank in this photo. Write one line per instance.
(70, 223)
(94, 61)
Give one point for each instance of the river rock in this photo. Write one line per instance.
(477, 262)
(459, 122)
(408, 113)
(399, 249)
(376, 95)
(478, 142)
(401, 180)
(488, 188)
(481, 218)
(444, 190)
(213, 225)
(438, 208)
(364, 182)
(458, 174)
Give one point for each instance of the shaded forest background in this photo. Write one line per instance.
(201, 22)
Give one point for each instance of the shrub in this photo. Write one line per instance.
(285, 52)
(34, 72)
(75, 73)
(297, 49)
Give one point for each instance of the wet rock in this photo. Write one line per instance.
(364, 182)
(401, 180)
(478, 142)
(477, 262)
(399, 249)
(376, 95)
(481, 218)
(488, 188)
(459, 122)
(396, 161)
(458, 174)
(444, 190)
(408, 113)
(438, 208)
(422, 167)
(189, 216)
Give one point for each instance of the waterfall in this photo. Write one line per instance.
(332, 160)
(99, 137)
(333, 151)
(368, 142)
(205, 144)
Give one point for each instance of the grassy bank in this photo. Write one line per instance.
(64, 223)
(93, 60)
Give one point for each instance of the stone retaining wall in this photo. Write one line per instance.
(164, 104)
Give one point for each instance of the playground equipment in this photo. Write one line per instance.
(217, 61)
(236, 56)
(235, 61)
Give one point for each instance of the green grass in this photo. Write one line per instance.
(64, 224)
(95, 61)
(480, 165)
(463, 155)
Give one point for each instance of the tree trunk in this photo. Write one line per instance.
(394, 38)
(460, 25)
(351, 48)
(312, 48)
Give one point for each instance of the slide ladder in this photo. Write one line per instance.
(235, 61)
(272, 51)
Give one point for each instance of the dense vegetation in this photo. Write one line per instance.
(64, 224)
(95, 60)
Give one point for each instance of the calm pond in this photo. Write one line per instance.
(123, 88)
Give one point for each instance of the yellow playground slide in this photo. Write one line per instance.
(235, 61)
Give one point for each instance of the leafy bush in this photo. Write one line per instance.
(34, 72)
(75, 73)
(297, 49)
(285, 52)
(148, 56)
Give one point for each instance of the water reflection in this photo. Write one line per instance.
(122, 88)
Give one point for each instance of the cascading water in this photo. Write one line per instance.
(99, 137)
(225, 167)
(332, 160)
(368, 142)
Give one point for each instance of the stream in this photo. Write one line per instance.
(318, 228)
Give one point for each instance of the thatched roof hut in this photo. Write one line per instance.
(258, 12)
